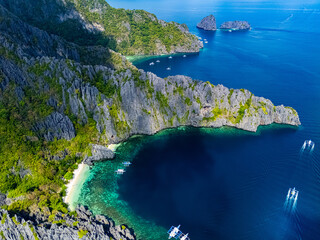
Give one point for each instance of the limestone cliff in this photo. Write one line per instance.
(61, 103)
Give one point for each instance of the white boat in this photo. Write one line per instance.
(126, 164)
(308, 145)
(293, 194)
(120, 171)
(184, 55)
(206, 42)
(174, 232)
(170, 57)
(158, 61)
(229, 30)
(168, 68)
(185, 237)
(152, 63)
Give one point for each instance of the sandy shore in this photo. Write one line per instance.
(79, 177)
(75, 184)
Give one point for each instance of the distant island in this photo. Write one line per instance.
(208, 23)
(235, 26)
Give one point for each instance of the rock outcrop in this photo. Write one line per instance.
(235, 25)
(208, 23)
(63, 227)
(98, 153)
(55, 126)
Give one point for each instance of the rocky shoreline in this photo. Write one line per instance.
(82, 225)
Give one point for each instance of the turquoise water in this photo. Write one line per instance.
(226, 183)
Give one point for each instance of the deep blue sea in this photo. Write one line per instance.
(227, 184)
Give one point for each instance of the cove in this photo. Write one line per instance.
(215, 182)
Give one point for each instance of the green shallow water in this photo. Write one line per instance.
(99, 189)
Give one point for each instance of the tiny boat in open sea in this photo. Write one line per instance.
(168, 68)
(158, 61)
(170, 57)
(184, 55)
(151, 64)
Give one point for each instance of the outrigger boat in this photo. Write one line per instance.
(126, 164)
(120, 171)
(174, 232)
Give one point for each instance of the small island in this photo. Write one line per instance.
(208, 23)
(235, 26)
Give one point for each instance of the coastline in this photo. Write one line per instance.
(74, 185)
(80, 175)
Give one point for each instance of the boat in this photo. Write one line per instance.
(206, 42)
(168, 68)
(152, 63)
(158, 61)
(126, 164)
(174, 232)
(170, 57)
(308, 145)
(291, 200)
(184, 55)
(120, 171)
(229, 30)
(185, 237)
(293, 194)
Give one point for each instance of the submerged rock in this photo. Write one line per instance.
(208, 23)
(235, 25)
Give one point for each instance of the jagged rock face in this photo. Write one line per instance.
(98, 153)
(55, 126)
(61, 13)
(236, 25)
(208, 23)
(93, 227)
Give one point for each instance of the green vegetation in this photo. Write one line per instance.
(82, 233)
(21, 149)
(2, 235)
(130, 32)
(75, 223)
(243, 109)
(121, 126)
(163, 101)
(230, 94)
(34, 232)
(217, 112)
(188, 101)
(4, 217)
(263, 107)
(293, 111)
(15, 220)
